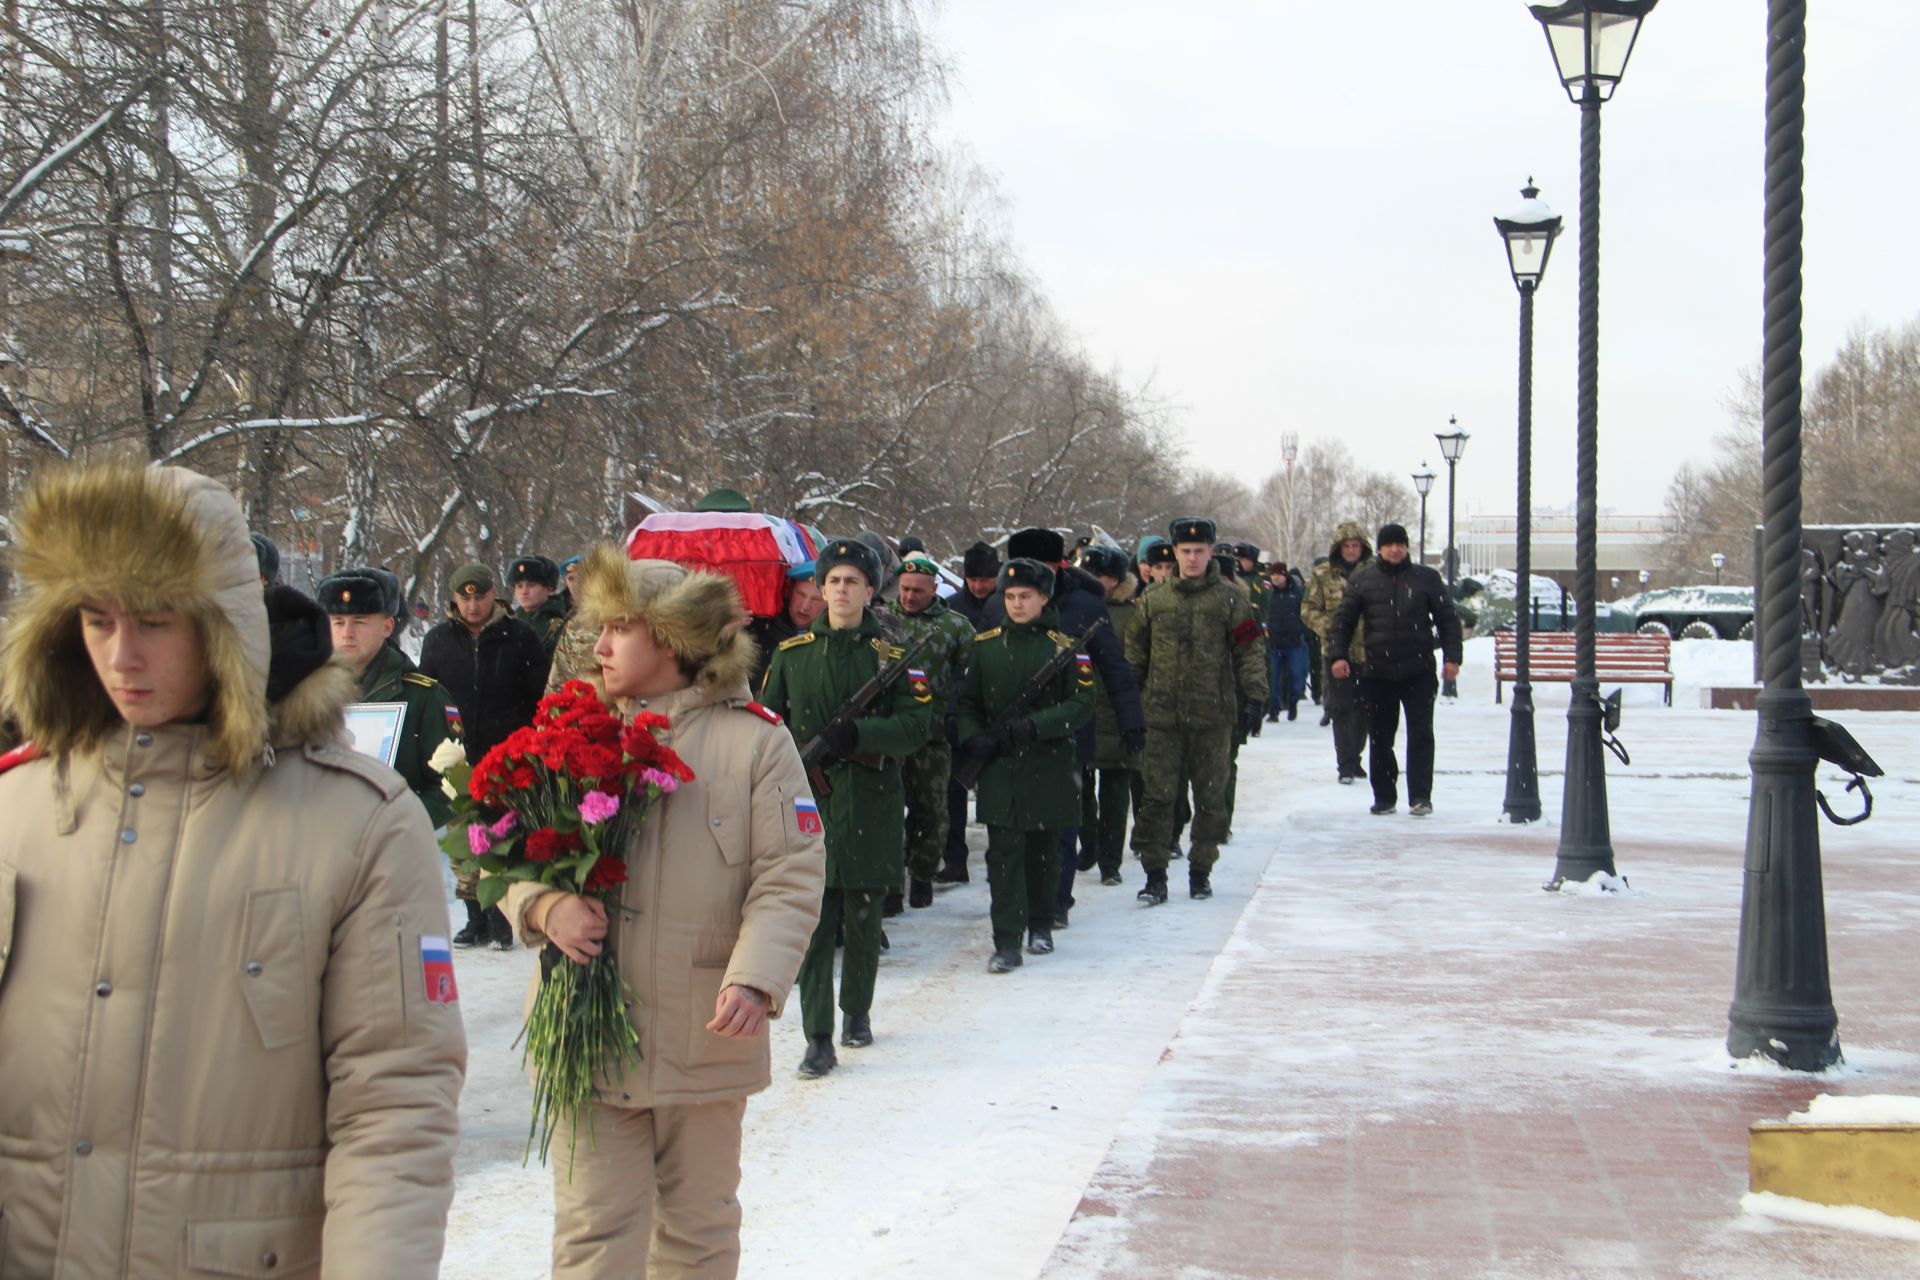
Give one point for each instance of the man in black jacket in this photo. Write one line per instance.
(1403, 604)
(495, 670)
(1286, 642)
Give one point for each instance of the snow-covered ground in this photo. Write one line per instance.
(961, 1143)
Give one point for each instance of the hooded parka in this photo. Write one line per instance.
(723, 878)
(1328, 585)
(219, 1055)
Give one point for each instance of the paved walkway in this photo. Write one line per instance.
(1411, 1062)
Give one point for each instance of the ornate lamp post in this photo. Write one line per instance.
(1783, 998)
(1529, 233)
(1453, 443)
(1719, 563)
(1423, 485)
(1591, 41)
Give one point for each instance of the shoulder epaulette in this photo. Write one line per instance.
(414, 677)
(794, 642)
(890, 652)
(1065, 642)
(986, 635)
(764, 712)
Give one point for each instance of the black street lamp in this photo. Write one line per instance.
(1453, 443)
(1529, 234)
(1719, 563)
(1591, 41)
(1782, 996)
(1423, 485)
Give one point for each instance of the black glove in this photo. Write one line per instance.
(1022, 731)
(1135, 740)
(841, 737)
(983, 746)
(1251, 715)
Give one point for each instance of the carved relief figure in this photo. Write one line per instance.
(1894, 639)
(1856, 581)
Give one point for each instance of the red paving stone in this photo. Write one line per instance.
(1412, 1063)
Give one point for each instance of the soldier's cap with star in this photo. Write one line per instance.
(921, 563)
(847, 551)
(351, 594)
(1247, 551)
(1023, 572)
(472, 579)
(536, 569)
(396, 602)
(1159, 551)
(1104, 562)
(1191, 529)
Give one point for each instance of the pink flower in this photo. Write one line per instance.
(500, 828)
(477, 840)
(667, 783)
(597, 806)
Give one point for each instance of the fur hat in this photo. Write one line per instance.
(1191, 529)
(1105, 562)
(1023, 572)
(1159, 551)
(153, 538)
(536, 569)
(980, 561)
(694, 613)
(1044, 545)
(848, 551)
(352, 593)
(1246, 551)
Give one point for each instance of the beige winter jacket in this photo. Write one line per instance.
(217, 1055)
(724, 880)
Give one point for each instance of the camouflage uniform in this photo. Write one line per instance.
(548, 622)
(1257, 608)
(1196, 655)
(1109, 786)
(925, 772)
(573, 655)
(1344, 707)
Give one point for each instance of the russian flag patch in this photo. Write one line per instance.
(436, 968)
(806, 816)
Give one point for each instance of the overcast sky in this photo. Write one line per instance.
(1278, 215)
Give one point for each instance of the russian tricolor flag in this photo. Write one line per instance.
(436, 967)
(806, 814)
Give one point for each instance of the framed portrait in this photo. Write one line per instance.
(373, 728)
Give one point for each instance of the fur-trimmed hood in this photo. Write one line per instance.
(696, 614)
(150, 538)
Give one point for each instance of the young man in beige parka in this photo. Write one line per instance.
(226, 1044)
(723, 891)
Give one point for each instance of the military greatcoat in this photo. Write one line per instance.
(1034, 786)
(430, 720)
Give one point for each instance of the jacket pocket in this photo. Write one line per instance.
(705, 1049)
(258, 1248)
(730, 820)
(273, 970)
(8, 877)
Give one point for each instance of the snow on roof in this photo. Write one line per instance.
(1870, 1108)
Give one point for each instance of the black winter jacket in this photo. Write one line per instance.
(974, 610)
(1079, 598)
(1403, 604)
(496, 678)
(1284, 627)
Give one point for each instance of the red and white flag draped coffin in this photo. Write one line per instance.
(754, 550)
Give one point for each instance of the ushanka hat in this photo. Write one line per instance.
(1247, 551)
(1191, 529)
(351, 594)
(980, 561)
(535, 569)
(847, 551)
(1159, 551)
(1044, 545)
(1104, 562)
(1023, 572)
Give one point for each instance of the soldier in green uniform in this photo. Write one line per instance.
(537, 600)
(925, 772)
(812, 677)
(1031, 786)
(1196, 655)
(1108, 786)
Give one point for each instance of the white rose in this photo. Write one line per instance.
(448, 754)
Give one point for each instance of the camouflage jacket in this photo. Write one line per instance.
(1329, 584)
(1197, 653)
(945, 660)
(1109, 751)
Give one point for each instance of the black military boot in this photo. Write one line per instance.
(819, 1058)
(1005, 960)
(894, 905)
(856, 1030)
(919, 893)
(1199, 884)
(951, 874)
(1060, 916)
(1039, 942)
(1293, 711)
(476, 931)
(499, 932)
(1155, 891)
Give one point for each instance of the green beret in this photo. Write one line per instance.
(351, 594)
(1022, 572)
(848, 551)
(724, 500)
(471, 580)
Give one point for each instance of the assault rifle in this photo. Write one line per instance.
(814, 755)
(967, 770)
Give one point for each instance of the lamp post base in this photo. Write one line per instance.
(1783, 998)
(1523, 770)
(1586, 836)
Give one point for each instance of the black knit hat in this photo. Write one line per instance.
(848, 551)
(1023, 572)
(1044, 545)
(1105, 562)
(535, 569)
(910, 544)
(1191, 529)
(352, 593)
(1391, 534)
(980, 561)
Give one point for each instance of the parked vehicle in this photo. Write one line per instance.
(1693, 613)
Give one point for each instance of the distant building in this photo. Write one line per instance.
(1627, 544)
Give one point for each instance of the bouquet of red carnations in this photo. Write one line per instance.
(553, 805)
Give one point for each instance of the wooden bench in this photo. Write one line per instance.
(1618, 658)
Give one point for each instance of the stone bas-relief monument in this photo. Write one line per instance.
(1859, 603)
